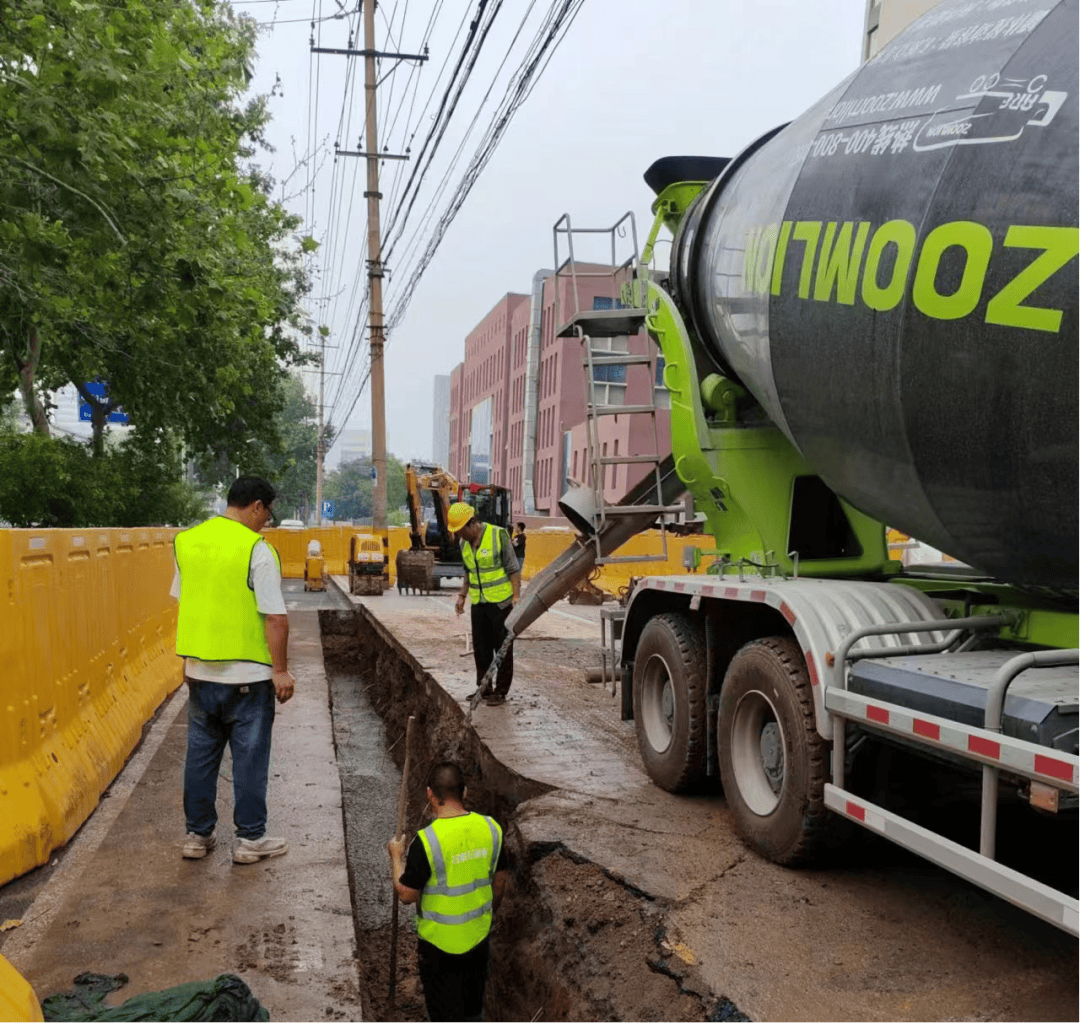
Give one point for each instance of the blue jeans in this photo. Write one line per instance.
(242, 717)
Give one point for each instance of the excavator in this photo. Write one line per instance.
(434, 554)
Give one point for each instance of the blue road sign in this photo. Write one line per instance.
(99, 389)
(328, 510)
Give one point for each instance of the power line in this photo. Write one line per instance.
(553, 26)
(518, 92)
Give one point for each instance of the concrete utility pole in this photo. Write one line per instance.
(375, 265)
(375, 276)
(319, 453)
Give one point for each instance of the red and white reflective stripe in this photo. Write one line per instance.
(866, 814)
(727, 593)
(1059, 908)
(1057, 769)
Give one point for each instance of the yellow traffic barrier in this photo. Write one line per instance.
(17, 999)
(545, 545)
(87, 647)
(291, 546)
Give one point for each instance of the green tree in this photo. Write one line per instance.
(57, 482)
(349, 488)
(136, 245)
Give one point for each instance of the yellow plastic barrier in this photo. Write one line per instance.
(17, 999)
(87, 633)
(544, 547)
(291, 546)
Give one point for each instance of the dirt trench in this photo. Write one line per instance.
(570, 942)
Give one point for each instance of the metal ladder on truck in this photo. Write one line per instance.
(604, 331)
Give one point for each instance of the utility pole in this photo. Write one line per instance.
(375, 266)
(319, 449)
(375, 276)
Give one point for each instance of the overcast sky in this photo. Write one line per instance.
(631, 81)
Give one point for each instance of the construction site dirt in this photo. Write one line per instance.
(627, 902)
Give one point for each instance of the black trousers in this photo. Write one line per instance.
(488, 632)
(453, 982)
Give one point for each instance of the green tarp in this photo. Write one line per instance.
(224, 998)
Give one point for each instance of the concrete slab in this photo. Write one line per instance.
(124, 901)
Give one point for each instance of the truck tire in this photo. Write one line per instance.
(669, 701)
(773, 763)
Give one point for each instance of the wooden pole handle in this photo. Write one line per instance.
(403, 792)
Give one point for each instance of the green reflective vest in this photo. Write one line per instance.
(487, 577)
(454, 912)
(219, 619)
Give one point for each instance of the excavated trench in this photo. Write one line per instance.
(570, 942)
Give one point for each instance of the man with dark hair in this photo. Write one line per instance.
(233, 632)
(456, 872)
(518, 541)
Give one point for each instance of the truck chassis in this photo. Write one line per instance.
(774, 663)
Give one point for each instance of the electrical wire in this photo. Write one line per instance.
(403, 229)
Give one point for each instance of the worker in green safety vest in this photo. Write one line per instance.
(233, 633)
(492, 584)
(456, 871)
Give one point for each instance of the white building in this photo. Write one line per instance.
(886, 19)
(351, 444)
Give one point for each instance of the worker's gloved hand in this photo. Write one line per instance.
(459, 605)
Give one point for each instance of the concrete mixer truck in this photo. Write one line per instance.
(869, 318)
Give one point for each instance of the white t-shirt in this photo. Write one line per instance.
(264, 577)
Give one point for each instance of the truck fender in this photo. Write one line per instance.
(818, 613)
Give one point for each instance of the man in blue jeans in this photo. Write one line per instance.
(233, 632)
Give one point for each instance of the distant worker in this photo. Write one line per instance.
(492, 583)
(456, 870)
(233, 632)
(519, 544)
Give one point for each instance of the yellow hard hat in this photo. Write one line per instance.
(458, 515)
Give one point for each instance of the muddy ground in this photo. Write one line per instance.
(570, 942)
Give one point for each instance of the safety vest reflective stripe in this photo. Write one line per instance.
(487, 577)
(470, 915)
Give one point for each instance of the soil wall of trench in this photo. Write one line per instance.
(570, 941)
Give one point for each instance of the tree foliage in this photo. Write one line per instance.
(288, 461)
(136, 244)
(57, 482)
(349, 488)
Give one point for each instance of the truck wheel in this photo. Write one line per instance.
(669, 701)
(773, 763)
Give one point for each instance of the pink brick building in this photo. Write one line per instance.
(489, 407)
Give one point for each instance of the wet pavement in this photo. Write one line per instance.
(122, 900)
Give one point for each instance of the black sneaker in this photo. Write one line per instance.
(492, 699)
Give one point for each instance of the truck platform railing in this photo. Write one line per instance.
(1049, 771)
(604, 328)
